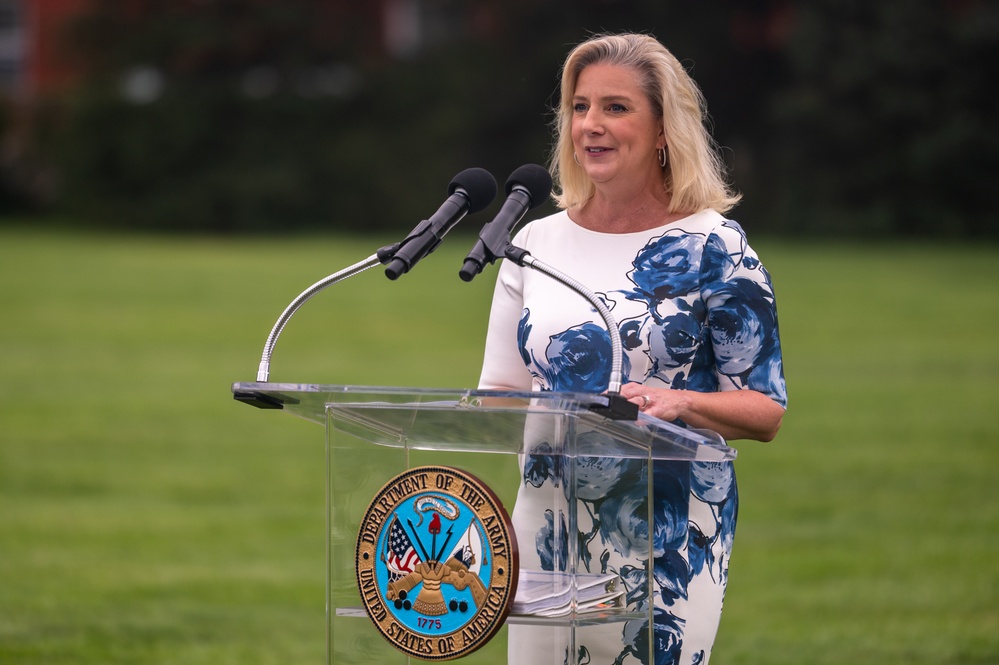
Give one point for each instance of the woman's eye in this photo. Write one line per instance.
(617, 108)
(579, 107)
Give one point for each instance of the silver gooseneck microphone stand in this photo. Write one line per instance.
(618, 406)
(469, 191)
(263, 371)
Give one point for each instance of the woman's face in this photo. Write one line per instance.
(615, 133)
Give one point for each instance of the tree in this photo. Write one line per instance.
(887, 125)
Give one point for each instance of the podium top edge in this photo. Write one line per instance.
(247, 386)
(314, 402)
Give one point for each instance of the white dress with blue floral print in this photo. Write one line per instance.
(696, 311)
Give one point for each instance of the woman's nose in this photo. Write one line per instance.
(592, 122)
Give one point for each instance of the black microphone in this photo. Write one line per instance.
(526, 188)
(469, 191)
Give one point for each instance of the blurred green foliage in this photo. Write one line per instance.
(888, 116)
(837, 117)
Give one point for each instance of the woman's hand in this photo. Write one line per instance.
(735, 414)
(663, 403)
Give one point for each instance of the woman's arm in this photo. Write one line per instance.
(502, 366)
(735, 414)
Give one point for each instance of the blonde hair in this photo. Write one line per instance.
(694, 172)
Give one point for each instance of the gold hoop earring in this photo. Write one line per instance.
(662, 156)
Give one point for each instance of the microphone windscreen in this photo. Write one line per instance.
(536, 179)
(479, 185)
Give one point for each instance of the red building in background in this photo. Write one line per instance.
(32, 58)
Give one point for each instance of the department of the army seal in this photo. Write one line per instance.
(437, 563)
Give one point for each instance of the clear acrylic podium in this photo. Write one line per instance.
(375, 433)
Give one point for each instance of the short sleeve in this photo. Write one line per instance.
(742, 315)
(503, 368)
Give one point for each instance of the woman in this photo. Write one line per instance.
(643, 196)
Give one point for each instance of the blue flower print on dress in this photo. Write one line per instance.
(712, 482)
(546, 546)
(636, 585)
(631, 334)
(576, 360)
(598, 477)
(523, 333)
(668, 636)
(671, 573)
(674, 341)
(541, 465)
(624, 523)
(671, 489)
(728, 518)
(698, 550)
(670, 266)
(744, 336)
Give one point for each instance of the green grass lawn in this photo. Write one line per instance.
(146, 517)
